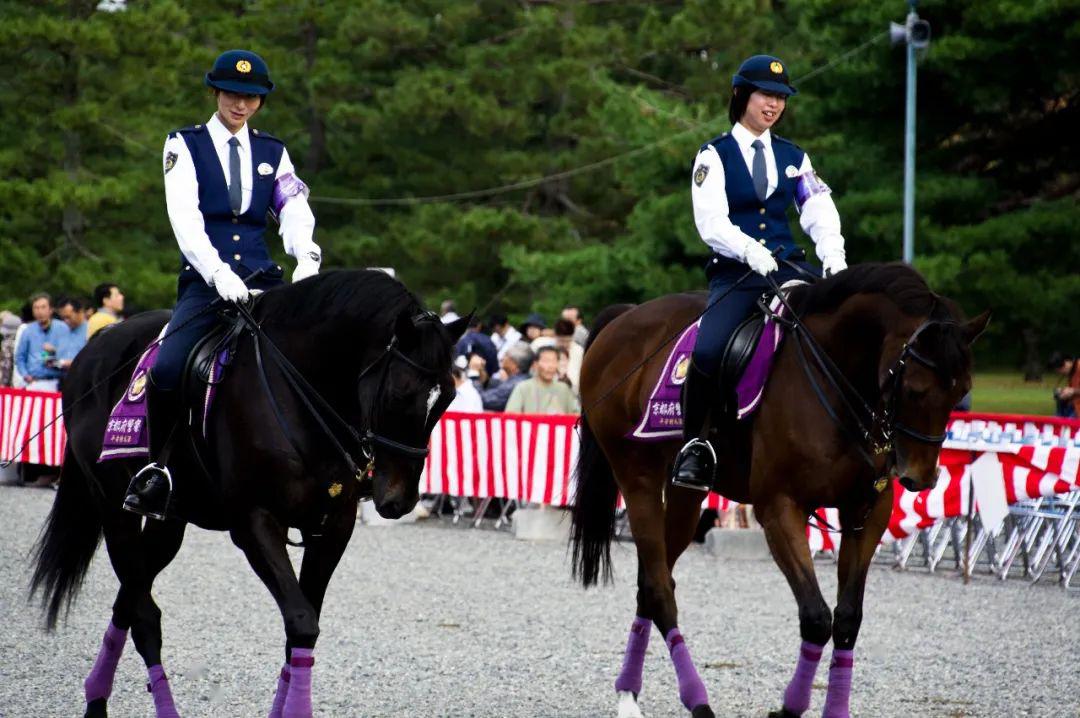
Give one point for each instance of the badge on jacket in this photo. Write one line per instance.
(700, 174)
(265, 169)
(791, 171)
(170, 161)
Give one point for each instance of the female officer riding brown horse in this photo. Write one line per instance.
(861, 392)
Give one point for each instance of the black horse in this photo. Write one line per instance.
(366, 346)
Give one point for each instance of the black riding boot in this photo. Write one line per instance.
(149, 491)
(695, 466)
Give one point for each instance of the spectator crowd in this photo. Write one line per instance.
(528, 369)
(37, 348)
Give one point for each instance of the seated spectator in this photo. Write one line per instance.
(543, 394)
(9, 328)
(581, 332)
(109, 302)
(503, 334)
(564, 339)
(515, 369)
(71, 311)
(448, 312)
(1066, 398)
(564, 366)
(36, 350)
(476, 342)
(466, 398)
(533, 327)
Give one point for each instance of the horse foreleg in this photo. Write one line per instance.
(856, 552)
(785, 529)
(137, 558)
(262, 539)
(321, 557)
(656, 590)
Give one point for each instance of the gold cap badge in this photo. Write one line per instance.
(245, 66)
(776, 67)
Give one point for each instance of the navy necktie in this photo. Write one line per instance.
(235, 197)
(759, 175)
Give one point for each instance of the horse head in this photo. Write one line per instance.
(923, 374)
(402, 394)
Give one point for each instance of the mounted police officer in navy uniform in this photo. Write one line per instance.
(742, 184)
(222, 178)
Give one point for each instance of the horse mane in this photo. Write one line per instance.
(362, 298)
(905, 288)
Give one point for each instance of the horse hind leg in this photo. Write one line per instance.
(656, 591)
(138, 557)
(98, 685)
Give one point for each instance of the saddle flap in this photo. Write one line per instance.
(740, 348)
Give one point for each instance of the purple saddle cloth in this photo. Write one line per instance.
(127, 433)
(662, 418)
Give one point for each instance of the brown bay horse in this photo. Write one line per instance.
(864, 392)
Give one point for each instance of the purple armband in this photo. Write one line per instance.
(806, 186)
(286, 187)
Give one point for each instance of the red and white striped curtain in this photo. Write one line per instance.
(25, 413)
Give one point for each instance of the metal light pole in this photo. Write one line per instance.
(914, 33)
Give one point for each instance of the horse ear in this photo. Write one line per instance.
(458, 326)
(973, 328)
(405, 329)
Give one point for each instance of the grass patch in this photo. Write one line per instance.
(1008, 393)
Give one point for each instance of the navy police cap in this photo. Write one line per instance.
(764, 72)
(240, 71)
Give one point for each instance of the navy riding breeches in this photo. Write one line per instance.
(186, 327)
(720, 322)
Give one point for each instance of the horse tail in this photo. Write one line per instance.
(67, 542)
(593, 516)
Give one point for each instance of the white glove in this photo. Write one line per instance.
(229, 286)
(832, 264)
(760, 259)
(307, 265)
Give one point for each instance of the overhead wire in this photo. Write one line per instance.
(583, 169)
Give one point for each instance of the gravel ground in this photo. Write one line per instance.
(427, 620)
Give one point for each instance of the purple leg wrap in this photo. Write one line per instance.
(797, 695)
(298, 702)
(278, 708)
(630, 676)
(839, 694)
(159, 689)
(99, 683)
(691, 689)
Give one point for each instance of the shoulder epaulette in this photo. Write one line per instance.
(190, 129)
(786, 141)
(713, 141)
(265, 136)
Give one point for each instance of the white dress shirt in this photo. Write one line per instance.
(818, 218)
(296, 223)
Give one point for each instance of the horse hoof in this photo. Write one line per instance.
(96, 709)
(628, 707)
(702, 712)
(783, 713)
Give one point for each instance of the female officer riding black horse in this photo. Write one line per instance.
(221, 179)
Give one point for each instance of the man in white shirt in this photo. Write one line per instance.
(221, 180)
